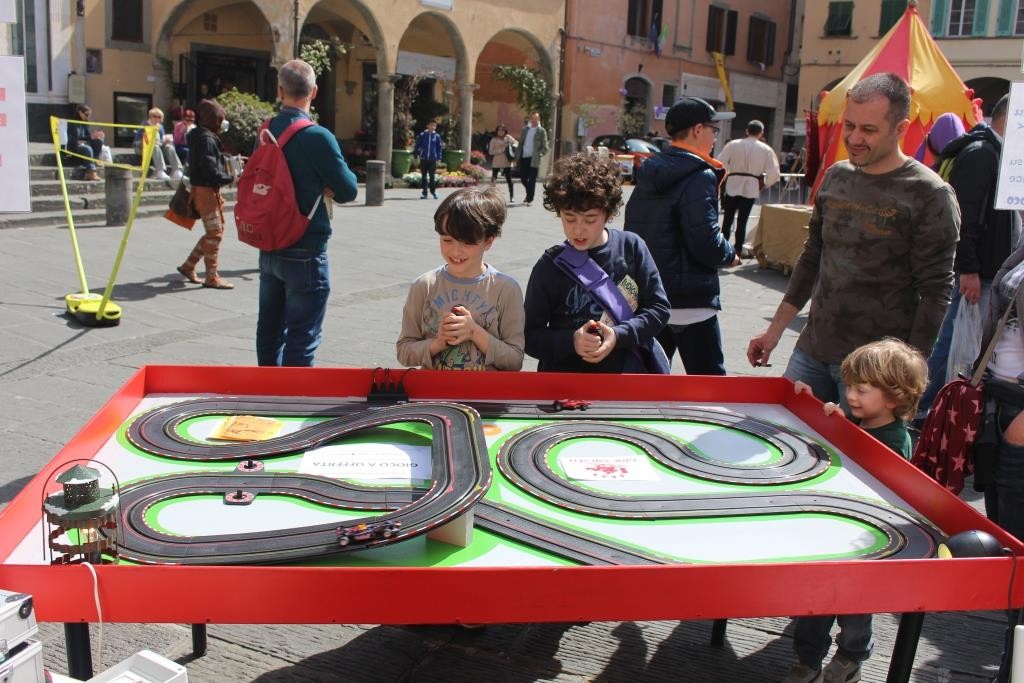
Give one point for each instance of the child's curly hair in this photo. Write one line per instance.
(581, 182)
(898, 369)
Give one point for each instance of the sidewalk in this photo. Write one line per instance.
(55, 375)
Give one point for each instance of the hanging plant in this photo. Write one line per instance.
(533, 93)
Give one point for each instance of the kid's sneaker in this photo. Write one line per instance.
(801, 673)
(841, 670)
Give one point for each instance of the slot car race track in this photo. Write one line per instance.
(461, 475)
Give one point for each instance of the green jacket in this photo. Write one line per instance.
(540, 145)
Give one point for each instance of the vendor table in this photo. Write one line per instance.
(613, 498)
(780, 235)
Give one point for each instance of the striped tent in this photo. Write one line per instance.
(908, 50)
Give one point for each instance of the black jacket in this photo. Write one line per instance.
(206, 166)
(674, 208)
(986, 233)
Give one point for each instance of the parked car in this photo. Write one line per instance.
(638, 148)
(661, 143)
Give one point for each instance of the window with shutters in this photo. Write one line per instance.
(643, 19)
(892, 10)
(722, 30)
(961, 18)
(840, 19)
(668, 94)
(761, 41)
(126, 21)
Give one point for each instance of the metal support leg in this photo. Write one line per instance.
(718, 632)
(905, 648)
(198, 640)
(76, 642)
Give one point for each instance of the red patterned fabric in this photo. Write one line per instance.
(944, 450)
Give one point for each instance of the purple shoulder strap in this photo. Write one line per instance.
(579, 266)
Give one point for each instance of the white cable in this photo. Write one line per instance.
(99, 610)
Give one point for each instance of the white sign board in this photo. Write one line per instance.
(419, 64)
(368, 461)
(626, 467)
(1010, 188)
(13, 137)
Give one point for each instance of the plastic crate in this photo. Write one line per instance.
(144, 667)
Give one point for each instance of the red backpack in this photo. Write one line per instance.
(266, 213)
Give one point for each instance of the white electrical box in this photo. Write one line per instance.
(144, 667)
(17, 621)
(23, 664)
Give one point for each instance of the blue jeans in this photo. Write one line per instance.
(294, 286)
(939, 358)
(812, 638)
(825, 380)
(699, 346)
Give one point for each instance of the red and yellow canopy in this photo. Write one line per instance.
(909, 51)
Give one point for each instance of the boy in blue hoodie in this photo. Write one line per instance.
(428, 148)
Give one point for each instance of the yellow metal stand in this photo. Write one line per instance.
(89, 308)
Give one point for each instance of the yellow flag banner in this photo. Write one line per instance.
(724, 78)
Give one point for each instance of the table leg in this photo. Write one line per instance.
(905, 648)
(198, 640)
(79, 651)
(718, 632)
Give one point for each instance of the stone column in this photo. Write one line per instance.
(385, 118)
(162, 86)
(466, 116)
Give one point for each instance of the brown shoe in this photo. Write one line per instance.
(218, 284)
(91, 175)
(189, 275)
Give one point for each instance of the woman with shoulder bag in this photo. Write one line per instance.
(500, 148)
(207, 173)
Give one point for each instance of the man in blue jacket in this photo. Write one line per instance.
(674, 208)
(295, 282)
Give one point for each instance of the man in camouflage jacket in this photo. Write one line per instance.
(878, 261)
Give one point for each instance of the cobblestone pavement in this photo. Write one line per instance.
(55, 375)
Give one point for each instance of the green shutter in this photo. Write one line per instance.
(1005, 21)
(892, 10)
(940, 15)
(980, 25)
(840, 18)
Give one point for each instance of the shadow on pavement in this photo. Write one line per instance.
(172, 283)
(12, 488)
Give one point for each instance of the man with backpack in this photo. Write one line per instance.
(970, 164)
(294, 279)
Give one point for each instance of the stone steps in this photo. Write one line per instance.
(87, 198)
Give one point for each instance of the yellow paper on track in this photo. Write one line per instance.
(247, 428)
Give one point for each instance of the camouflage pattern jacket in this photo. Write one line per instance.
(878, 261)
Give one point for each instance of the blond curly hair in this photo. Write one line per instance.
(897, 368)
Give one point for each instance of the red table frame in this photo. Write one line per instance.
(200, 595)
